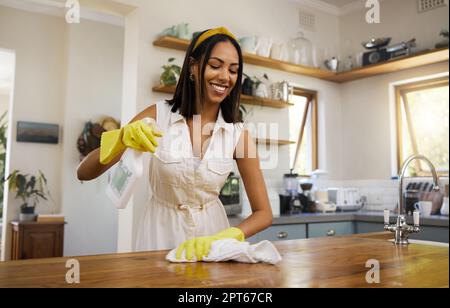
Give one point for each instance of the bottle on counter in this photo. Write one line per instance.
(122, 180)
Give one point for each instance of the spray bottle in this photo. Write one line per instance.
(122, 180)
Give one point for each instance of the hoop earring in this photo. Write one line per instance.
(191, 77)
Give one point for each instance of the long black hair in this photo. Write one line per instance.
(184, 98)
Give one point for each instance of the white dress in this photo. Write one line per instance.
(185, 189)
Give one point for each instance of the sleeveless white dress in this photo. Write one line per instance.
(185, 189)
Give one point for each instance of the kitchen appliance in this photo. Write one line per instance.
(380, 52)
(322, 203)
(290, 202)
(230, 195)
(346, 199)
(306, 196)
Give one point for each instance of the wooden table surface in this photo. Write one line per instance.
(319, 262)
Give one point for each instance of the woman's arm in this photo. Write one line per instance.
(90, 168)
(248, 164)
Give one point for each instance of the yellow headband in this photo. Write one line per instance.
(212, 32)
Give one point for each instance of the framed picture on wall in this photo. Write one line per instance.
(37, 132)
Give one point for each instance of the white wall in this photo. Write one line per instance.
(367, 128)
(38, 95)
(94, 78)
(366, 103)
(399, 20)
(64, 75)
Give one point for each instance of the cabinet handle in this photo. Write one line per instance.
(331, 232)
(282, 234)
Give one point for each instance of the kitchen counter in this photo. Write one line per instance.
(359, 216)
(319, 262)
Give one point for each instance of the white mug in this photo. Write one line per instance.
(424, 207)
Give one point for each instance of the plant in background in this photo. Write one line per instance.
(171, 73)
(258, 81)
(260, 87)
(3, 128)
(29, 189)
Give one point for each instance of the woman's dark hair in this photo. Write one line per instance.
(184, 101)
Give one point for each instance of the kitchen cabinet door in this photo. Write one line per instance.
(283, 232)
(330, 229)
(429, 233)
(368, 227)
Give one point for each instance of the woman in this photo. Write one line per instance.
(203, 134)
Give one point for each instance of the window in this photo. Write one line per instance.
(422, 125)
(303, 128)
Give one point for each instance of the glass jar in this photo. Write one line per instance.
(301, 50)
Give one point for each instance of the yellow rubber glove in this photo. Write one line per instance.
(200, 246)
(140, 135)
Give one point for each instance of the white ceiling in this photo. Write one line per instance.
(340, 3)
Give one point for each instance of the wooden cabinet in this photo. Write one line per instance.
(330, 229)
(281, 233)
(32, 240)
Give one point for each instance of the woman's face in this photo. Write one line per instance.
(221, 72)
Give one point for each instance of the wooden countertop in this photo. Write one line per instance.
(319, 262)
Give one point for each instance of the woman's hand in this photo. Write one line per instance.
(140, 135)
(201, 246)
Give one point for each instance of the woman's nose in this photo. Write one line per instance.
(224, 75)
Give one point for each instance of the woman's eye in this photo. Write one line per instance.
(214, 67)
(233, 72)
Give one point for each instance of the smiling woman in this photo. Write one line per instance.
(202, 133)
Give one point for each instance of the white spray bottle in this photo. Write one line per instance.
(123, 177)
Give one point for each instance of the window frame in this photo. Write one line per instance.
(312, 99)
(401, 92)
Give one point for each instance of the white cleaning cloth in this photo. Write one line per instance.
(234, 250)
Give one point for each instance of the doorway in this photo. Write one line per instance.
(7, 69)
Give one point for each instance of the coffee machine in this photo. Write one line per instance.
(290, 202)
(306, 197)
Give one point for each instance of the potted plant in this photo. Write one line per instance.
(260, 87)
(29, 189)
(171, 73)
(444, 42)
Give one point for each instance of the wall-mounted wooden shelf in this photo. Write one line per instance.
(179, 44)
(245, 99)
(394, 65)
(416, 60)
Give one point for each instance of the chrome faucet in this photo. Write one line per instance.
(401, 228)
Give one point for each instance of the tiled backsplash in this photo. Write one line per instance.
(381, 194)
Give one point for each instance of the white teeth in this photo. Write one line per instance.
(218, 88)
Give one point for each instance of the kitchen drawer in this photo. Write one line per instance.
(330, 229)
(429, 233)
(368, 227)
(283, 232)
